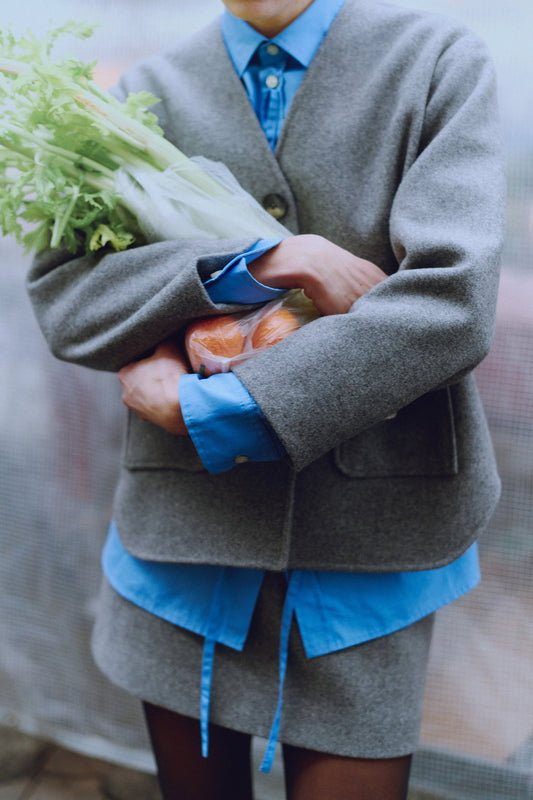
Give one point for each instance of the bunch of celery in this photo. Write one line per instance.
(82, 170)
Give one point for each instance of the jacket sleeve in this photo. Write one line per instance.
(105, 311)
(432, 321)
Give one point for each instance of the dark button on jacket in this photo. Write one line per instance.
(275, 205)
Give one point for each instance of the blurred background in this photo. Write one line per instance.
(60, 438)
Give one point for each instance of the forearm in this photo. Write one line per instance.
(226, 425)
(432, 321)
(106, 312)
(329, 275)
(341, 374)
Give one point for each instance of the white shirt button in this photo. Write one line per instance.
(241, 459)
(272, 81)
(272, 49)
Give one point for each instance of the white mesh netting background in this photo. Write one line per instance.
(60, 435)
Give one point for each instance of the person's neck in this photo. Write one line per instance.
(272, 26)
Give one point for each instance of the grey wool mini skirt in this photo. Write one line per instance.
(364, 701)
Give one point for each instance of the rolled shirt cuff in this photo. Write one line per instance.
(225, 423)
(235, 284)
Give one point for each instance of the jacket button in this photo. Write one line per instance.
(275, 205)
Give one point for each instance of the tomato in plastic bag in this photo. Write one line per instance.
(216, 344)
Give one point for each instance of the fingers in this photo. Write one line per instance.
(151, 387)
(340, 279)
(332, 277)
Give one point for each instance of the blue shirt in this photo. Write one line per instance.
(225, 423)
(271, 71)
(333, 610)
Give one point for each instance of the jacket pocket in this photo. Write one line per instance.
(148, 446)
(419, 441)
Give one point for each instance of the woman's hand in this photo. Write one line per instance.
(151, 387)
(330, 276)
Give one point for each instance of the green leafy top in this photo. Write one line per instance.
(62, 139)
(29, 49)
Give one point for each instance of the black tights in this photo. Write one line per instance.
(185, 775)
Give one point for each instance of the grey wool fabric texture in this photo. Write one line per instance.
(364, 701)
(391, 149)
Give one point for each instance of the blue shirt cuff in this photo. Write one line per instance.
(235, 284)
(225, 423)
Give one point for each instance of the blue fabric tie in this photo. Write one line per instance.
(208, 663)
(334, 610)
(208, 659)
(286, 621)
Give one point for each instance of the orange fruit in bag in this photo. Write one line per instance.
(210, 340)
(274, 327)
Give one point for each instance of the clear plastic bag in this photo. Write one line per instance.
(169, 205)
(216, 344)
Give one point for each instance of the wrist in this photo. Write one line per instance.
(290, 264)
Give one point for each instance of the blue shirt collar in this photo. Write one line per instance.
(301, 39)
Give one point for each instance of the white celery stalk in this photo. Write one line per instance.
(87, 169)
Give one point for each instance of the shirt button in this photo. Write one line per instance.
(272, 49)
(272, 81)
(275, 205)
(241, 459)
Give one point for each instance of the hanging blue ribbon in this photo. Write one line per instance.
(286, 620)
(207, 662)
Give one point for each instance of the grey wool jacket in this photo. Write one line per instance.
(391, 149)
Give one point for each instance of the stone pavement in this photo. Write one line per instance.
(33, 769)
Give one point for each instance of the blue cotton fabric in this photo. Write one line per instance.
(333, 610)
(223, 420)
(238, 429)
(235, 281)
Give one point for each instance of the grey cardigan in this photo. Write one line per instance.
(391, 149)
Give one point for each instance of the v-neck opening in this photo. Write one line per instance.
(296, 103)
(307, 80)
(246, 102)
